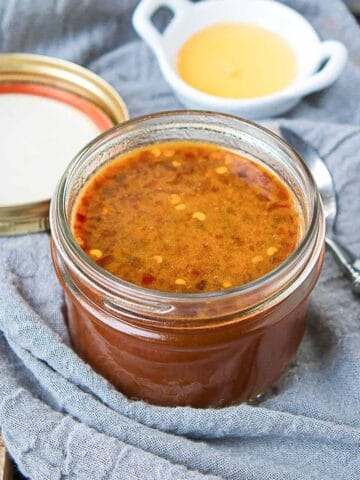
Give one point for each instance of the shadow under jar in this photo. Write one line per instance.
(202, 350)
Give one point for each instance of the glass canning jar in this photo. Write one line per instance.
(203, 350)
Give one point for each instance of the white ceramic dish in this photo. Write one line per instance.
(319, 63)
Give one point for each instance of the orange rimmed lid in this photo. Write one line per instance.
(49, 110)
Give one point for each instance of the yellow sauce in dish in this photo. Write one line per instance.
(236, 60)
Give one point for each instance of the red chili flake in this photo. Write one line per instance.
(262, 197)
(188, 169)
(283, 194)
(106, 260)
(243, 173)
(201, 285)
(194, 272)
(231, 210)
(224, 179)
(276, 206)
(264, 179)
(239, 241)
(80, 217)
(147, 278)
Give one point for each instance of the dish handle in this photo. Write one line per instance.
(335, 55)
(144, 26)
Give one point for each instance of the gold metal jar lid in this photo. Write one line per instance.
(63, 85)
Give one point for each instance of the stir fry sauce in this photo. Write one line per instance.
(186, 217)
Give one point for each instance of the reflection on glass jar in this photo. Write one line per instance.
(204, 350)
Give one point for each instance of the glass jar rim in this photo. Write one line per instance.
(87, 268)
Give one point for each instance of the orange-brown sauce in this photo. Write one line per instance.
(186, 217)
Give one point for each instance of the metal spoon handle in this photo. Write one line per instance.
(347, 261)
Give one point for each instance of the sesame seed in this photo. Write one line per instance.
(221, 170)
(175, 198)
(96, 253)
(176, 164)
(271, 251)
(199, 216)
(226, 284)
(181, 206)
(169, 153)
(257, 259)
(80, 241)
(158, 258)
(180, 281)
(156, 152)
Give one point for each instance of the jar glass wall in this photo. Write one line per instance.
(202, 350)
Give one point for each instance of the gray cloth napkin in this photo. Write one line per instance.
(61, 420)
